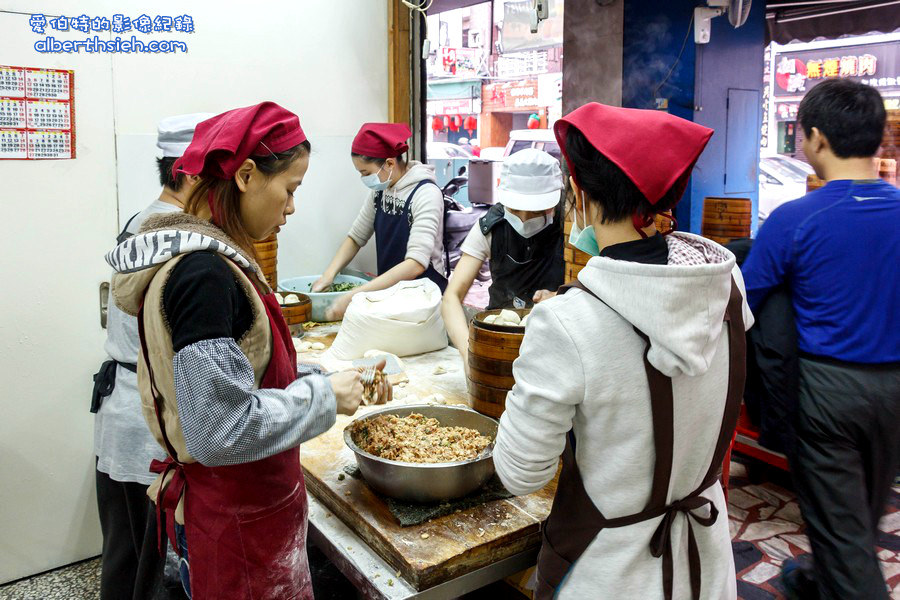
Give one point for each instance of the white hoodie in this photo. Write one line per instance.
(581, 366)
(426, 236)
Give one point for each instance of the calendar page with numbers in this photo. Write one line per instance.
(37, 113)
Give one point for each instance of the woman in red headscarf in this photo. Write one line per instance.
(404, 211)
(217, 371)
(634, 376)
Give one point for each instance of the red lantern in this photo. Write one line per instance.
(470, 124)
(455, 123)
(437, 124)
(534, 122)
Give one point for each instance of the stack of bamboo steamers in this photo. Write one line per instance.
(295, 313)
(726, 219)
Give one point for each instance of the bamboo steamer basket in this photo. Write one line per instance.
(265, 246)
(574, 258)
(664, 223)
(725, 219)
(267, 259)
(887, 170)
(297, 313)
(813, 183)
(492, 351)
(572, 272)
(266, 255)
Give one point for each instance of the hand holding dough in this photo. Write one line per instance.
(373, 353)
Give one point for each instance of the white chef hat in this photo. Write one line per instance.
(530, 179)
(174, 134)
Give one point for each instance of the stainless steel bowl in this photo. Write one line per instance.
(428, 482)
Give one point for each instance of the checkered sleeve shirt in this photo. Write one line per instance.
(227, 422)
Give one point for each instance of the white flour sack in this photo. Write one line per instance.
(404, 319)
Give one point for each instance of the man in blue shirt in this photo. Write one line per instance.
(837, 251)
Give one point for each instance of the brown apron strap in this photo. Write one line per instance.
(662, 404)
(663, 412)
(154, 391)
(170, 492)
(564, 539)
(737, 374)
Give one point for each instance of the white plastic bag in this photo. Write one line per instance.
(404, 319)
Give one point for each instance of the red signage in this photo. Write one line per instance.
(877, 65)
(518, 95)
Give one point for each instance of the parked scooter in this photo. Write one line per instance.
(458, 221)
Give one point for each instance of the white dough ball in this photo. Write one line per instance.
(509, 317)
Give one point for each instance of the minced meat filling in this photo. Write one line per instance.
(417, 439)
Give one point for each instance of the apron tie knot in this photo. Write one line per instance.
(661, 542)
(167, 498)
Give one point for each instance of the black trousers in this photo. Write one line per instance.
(131, 567)
(847, 454)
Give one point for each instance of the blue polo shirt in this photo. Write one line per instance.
(838, 250)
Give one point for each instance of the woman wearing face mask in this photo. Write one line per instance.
(634, 374)
(522, 238)
(404, 210)
(217, 370)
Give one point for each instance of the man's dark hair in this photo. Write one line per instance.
(164, 165)
(607, 185)
(851, 115)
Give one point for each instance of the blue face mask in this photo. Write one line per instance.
(374, 183)
(584, 239)
(531, 227)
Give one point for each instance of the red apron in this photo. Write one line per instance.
(245, 524)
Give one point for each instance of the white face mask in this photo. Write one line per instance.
(531, 227)
(374, 183)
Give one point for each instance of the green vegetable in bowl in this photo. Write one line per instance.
(339, 287)
(344, 287)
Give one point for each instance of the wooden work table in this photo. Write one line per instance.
(443, 558)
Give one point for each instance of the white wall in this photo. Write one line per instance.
(324, 59)
(58, 218)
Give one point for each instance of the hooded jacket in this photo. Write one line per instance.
(426, 234)
(594, 383)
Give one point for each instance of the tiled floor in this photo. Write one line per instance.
(80, 581)
(765, 524)
(766, 529)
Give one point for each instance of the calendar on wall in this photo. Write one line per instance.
(37, 113)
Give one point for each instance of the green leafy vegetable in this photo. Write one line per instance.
(339, 287)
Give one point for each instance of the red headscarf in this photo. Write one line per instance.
(655, 150)
(381, 140)
(221, 144)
